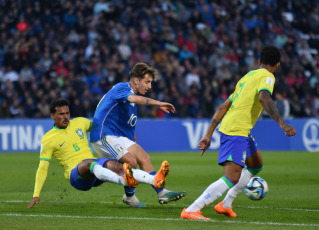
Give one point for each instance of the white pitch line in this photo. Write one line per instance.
(158, 219)
(171, 204)
(292, 209)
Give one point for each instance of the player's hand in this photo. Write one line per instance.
(288, 129)
(34, 201)
(204, 144)
(167, 107)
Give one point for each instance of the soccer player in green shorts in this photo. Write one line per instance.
(67, 142)
(239, 153)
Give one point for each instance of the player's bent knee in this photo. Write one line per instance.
(114, 166)
(85, 166)
(133, 164)
(234, 179)
(255, 171)
(130, 159)
(145, 160)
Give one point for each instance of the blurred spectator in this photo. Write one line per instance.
(10, 74)
(22, 24)
(45, 62)
(70, 19)
(192, 77)
(43, 108)
(4, 110)
(224, 74)
(282, 105)
(30, 109)
(124, 50)
(77, 109)
(2, 71)
(16, 111)
(26, 73)
(100, 6)
(297, 108)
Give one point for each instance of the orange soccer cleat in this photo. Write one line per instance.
(161, 175)
(128, 176)
(193, 215)
(227, 212)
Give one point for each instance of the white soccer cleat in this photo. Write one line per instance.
(133, 202)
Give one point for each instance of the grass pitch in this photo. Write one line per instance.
(291, 203)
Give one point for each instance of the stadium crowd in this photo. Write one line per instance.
(79, 49)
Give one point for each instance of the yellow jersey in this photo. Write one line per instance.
(69, 146)
(246, 108)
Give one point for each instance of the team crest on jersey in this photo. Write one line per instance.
(118, 148)
(80, 133)
(244, 157)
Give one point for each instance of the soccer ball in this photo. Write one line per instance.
(256, 189)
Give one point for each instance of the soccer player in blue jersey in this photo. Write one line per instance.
(114, 121)
(238, 148)
(67, 142)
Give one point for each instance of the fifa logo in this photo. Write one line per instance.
(310, 135)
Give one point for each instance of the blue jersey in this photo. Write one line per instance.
(114, 114)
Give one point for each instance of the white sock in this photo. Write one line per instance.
(212, 193)
(238, 188)
(105, 174)
(161, 193)
(143, 177)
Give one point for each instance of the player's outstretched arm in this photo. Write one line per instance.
(140, 100)
(204, 143)
(34, 201)
(270, 107)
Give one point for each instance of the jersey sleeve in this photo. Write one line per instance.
(40, 177)
(231, 97)
(45, 158)
(266, 83)
(122, 92)
(46, 150)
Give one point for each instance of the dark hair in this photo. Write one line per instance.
(270, 55)
(58, 103)
(140, 69)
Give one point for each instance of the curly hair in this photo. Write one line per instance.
(270, 55)
(140, 69)
(58, 103)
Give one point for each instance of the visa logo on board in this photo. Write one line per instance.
(195, 131)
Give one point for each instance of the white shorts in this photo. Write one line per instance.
(112, 147)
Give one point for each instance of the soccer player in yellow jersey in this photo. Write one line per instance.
(67, 142)
(238, 148)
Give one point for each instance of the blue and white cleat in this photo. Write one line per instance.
(169, 196)
(133, 202)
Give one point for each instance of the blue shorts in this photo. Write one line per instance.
(236, 149)
(84, 184)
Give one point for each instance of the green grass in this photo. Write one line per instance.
(292, 201)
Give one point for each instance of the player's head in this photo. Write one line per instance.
(60, 113)
(270, 55)
(141, 77)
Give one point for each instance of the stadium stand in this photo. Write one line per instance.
(79, 49)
